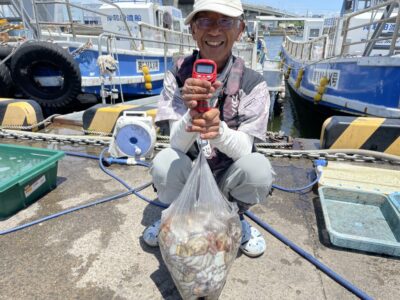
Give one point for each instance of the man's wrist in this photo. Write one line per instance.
(221, 131)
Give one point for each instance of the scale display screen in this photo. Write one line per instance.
(205, 69)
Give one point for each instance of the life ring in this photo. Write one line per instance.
(6, 83)
(35, 58)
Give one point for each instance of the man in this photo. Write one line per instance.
(240, 116)
(261, 50)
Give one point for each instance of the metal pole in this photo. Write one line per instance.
(141, 36)
(70, 19)
(335, 36)
(395, 33)
(102, 89)
(344, 30)
(254, 52)
(165, 52)
(35, 16)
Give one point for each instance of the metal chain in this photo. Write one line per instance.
(163, 141)
(273, 145)
(330, 154)
(97, 133)
(55, 138)
(163, 138)
(279, 140)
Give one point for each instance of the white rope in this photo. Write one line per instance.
(107, 65)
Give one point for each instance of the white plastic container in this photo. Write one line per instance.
(273, 77)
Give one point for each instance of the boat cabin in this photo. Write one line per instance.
(310, 27)
(135, 12)
(350, 6)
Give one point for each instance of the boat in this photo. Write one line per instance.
(347, 65)
(252, 49)
(106, 46)
(95, 49)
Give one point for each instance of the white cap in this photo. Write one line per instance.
(230, 8)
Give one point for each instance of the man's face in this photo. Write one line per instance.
(215, 35)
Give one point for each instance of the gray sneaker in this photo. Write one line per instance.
(253, 243)
(150, 234)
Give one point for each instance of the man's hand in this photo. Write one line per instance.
(207, 124)
(198, 90)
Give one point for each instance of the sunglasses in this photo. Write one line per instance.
(223, 23)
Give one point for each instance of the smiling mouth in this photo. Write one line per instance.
(214, 44)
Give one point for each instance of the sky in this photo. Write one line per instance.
(326, 7)
(300, 7)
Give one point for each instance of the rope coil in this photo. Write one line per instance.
(107, 65)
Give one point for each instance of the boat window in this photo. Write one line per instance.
(159, 18)
(314, 33)
(364, 4)
(177, 25)
(348, 5)
(167, 20)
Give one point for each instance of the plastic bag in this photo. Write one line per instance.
(200, 235)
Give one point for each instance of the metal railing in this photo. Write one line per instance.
(39, 20)
(245, 51)
(353, 36)
(35, 19)
(311, 50)
(389, 17)
(164, 36)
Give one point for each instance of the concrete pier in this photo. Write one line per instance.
(98, 252)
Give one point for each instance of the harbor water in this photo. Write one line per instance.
(288, 120)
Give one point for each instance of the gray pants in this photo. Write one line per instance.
(247, 181)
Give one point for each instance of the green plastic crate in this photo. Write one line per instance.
(26, 174)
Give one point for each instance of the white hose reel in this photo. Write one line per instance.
(134, 136)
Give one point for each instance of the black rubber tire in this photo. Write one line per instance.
(6, 83)
(5, 50)
(35, 55)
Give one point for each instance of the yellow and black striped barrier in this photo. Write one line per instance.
(377, 134)
(15, 113)
(103, 117)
